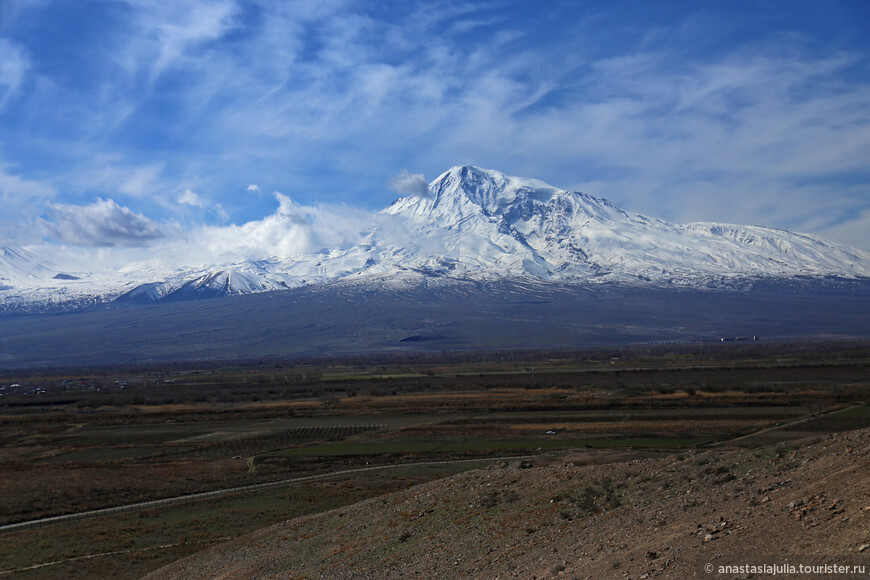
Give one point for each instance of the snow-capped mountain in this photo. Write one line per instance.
(28, 281)
(480, 224)
(247, 278)
(555, 234)
(18, 266)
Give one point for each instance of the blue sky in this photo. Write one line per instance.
(124, 123)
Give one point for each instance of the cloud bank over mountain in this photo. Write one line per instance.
(472, 224)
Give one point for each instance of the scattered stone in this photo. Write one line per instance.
(735, 525)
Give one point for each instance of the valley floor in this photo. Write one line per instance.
(583, 464)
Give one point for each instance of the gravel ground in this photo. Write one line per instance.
(649, 518)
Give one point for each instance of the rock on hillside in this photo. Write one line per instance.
(637, 519)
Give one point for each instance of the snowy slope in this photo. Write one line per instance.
(30, 282)
(573, 236)
(481, 224)
(245, 278)
(20, 267)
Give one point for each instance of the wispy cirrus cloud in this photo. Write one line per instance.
(13, 66)
(19, 198)
(690, 113)
(171, 30)
(750, 139)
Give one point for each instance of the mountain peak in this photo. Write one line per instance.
(465, 189)
(479, 186)
(475, 223)
(487, 185)
(471, 176)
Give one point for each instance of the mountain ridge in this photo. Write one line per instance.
(476, 223)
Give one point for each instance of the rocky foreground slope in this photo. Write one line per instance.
(663, 517)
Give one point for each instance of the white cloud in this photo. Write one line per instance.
(102, 223)
(16, 189)
(292, 230)
(111, 173)
(466, 26)
(140, 181)
(168, 30)
(188, 197)
(406, 183)
(21, 200)
(220, 212)
(328, 99)
(851, 230)
(13, 65)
